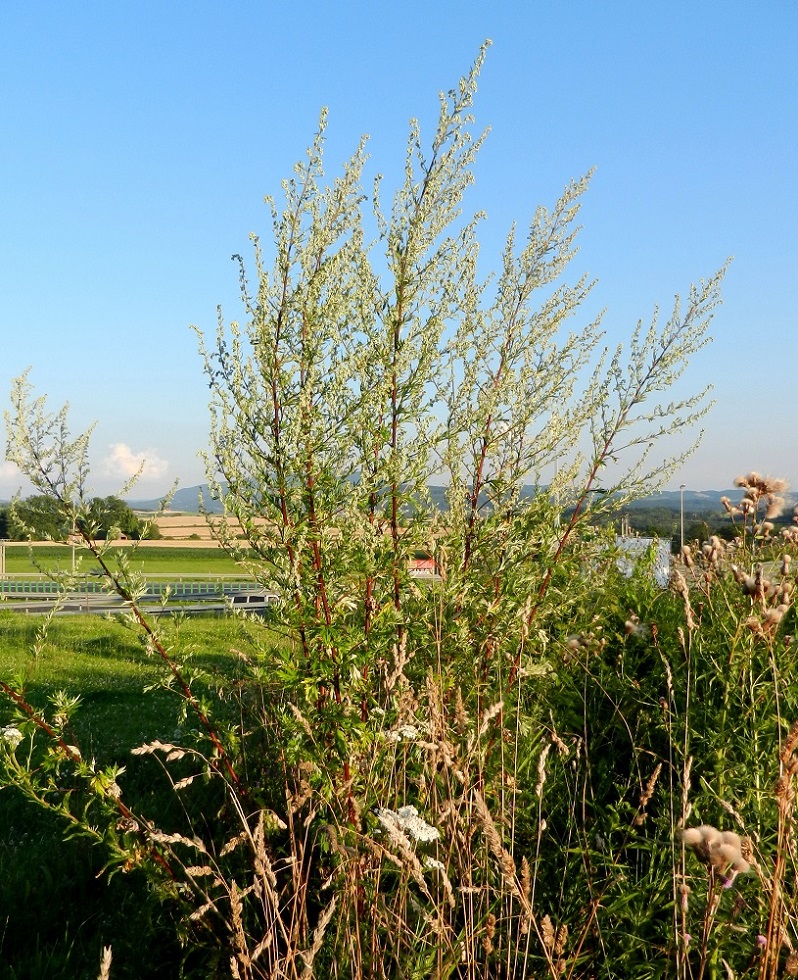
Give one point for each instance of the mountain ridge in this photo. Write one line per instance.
(187, 500)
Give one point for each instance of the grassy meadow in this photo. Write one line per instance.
(56, 913)
(151, 560)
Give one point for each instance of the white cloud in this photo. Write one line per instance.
(123, 463)
(9, 471)
(11, 480)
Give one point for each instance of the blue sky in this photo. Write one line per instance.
(140, 138)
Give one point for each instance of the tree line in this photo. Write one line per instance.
(39, 518)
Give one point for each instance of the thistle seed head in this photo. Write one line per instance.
(721, 849)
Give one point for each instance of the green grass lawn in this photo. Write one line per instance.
(106, 662)
(56, 909)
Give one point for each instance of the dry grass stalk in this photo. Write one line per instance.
(232, 844)
(460, 714)
(488, 715)
(183, 783)
(202, 910)
(160, 838)
(790, 744)
(436, 716)
(301, 719)
(547, 932)
(542, 770)
(156, 746)
(263, 866)
(401, 659)
(648, 792)
(776, 933)
(526, 880)
(105, 964)
(199, 871)
(490, 932)
(309, 955)
(236, 925)
(497, 848)
(682, 590)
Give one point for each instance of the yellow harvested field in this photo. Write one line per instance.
(172, 543)
(177, 531)
(184, 530)
(181, 526)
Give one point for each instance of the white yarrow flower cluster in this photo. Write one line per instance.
(435, 864)
(11, 735)
(407, 820)
(407, 733)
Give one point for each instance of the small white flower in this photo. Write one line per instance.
(407, 820)
(407, 732)
(13, 736)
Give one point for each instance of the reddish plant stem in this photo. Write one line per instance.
(185, 689)
(73, 754)
(20, 701)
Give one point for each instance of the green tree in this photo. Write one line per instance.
(42, 517)
(38, 517)
(107, 513)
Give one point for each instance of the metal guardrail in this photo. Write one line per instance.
(186, 597)
(177, 588)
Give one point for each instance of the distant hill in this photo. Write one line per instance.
(699, 500)
(187, 500)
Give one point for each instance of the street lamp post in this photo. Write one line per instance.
(681, 517)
